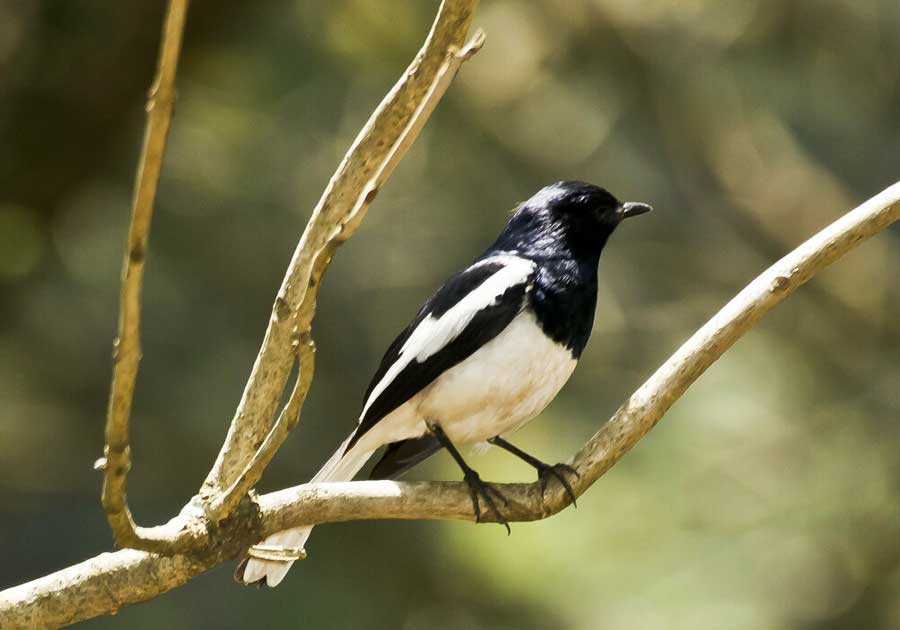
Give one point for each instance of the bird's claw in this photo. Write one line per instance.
(557, 471)
(477, 488)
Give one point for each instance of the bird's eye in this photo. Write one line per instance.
(604, 213)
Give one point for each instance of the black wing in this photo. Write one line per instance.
(401, 456)
(502, 282)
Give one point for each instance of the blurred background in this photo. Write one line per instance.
(769, 497)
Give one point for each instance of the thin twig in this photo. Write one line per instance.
(116, 460)
(108, 582)
(222, 505)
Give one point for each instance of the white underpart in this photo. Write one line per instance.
(503, 385)
(434, 333)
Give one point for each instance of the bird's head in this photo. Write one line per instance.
(569, 217)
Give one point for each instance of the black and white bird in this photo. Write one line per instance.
(483, 356)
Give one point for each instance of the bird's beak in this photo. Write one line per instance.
(633, 208)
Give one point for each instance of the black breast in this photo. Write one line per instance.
(564, 299)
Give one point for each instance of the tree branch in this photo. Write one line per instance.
(223, 504)
(640, 413)
(99, 586)
(116, 460)
(367, 165)
(110, 581)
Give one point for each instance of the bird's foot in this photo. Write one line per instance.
(558, 472)
(479, 488)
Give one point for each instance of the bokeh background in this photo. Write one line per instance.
(769, 497)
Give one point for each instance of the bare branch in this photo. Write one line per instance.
(110, 581)
(632, 421)
(99, 586)
(375, 153)
(116, 460)
(225, 503)
(369, 162)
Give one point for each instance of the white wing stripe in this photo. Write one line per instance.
(433, 334)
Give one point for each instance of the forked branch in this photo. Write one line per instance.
(223, 504)
(198, 541)
(253, 437)
(110, 581)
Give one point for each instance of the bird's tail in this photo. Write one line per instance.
(341, 467)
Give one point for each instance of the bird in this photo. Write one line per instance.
(486, 353)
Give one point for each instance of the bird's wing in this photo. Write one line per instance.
(403, 455)
(472, 308)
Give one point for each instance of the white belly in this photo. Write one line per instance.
(502, 386)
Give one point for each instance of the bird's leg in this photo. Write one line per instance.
(545, 471)
(476, 485)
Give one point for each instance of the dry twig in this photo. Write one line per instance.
(116, 460)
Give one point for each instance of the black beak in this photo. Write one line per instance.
(633, 208)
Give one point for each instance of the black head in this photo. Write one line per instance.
(566, 218)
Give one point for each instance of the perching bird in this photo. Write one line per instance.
(483, 356)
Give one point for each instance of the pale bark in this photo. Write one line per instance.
(256, 433)
(224, 519)
(116, 460)
(110, 581)
(369, 162)
(224, 503)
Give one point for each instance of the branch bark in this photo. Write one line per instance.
(321, 503)
(369, 162)
(219, 524)
(110, 581)
(224, 503)
(116, 460)
(253, 437)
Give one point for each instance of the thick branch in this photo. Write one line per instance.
(110, 581)
(368, 164)
(116, 460)
(99, 586)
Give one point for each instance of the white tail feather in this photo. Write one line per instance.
(337, 468)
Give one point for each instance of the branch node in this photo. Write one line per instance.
(136, 255)
(471, 47)
(254, 437)
(282, 310)
(780, 283)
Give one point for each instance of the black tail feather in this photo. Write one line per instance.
(401, 456)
